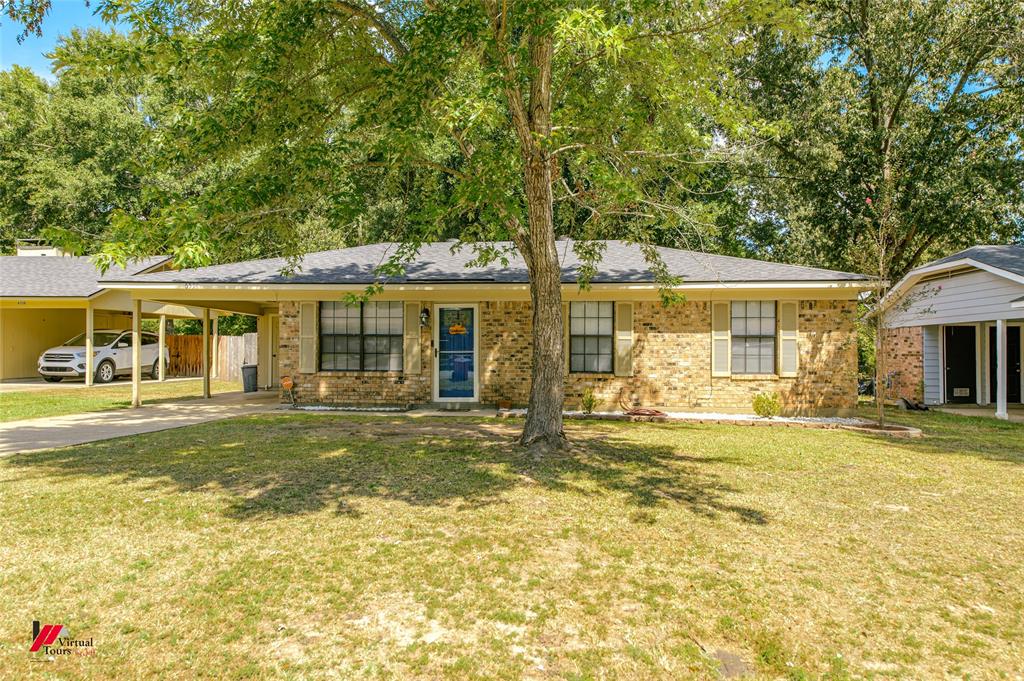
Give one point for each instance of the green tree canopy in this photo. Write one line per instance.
(69, 151)
(900, 140)
(492, 121)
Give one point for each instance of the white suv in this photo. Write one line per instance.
(113, 356)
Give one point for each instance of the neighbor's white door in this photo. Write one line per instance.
(275, 343)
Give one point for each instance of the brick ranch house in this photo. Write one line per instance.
(450, 331)
(954, 329)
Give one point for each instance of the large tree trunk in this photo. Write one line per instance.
(532, 124)
(543, 427)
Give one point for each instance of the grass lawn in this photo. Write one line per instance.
(30, 404)
(330, 546)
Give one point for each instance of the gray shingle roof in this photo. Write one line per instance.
(59, 276)
(436, 263)
(1009, 258)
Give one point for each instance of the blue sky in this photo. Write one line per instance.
(64, 15)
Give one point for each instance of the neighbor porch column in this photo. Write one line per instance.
(216, 345)
(206, 352)
(90, 324)
(136, 353)
(162, 348)
(1001, 370)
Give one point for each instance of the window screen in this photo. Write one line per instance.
(590, 337)
(362, 337)
(753, 336)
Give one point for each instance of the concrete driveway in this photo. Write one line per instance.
(17, 385)
(74, 429)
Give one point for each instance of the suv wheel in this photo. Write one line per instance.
(154, 373)
(105, 372)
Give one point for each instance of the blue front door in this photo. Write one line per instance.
(456, 357)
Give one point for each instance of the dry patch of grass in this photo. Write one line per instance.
(321, 546)
(30, 404)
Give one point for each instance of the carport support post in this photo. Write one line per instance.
(89, 330)
(136, 353)
(162, 348)
(1001, 370)
(206, 352)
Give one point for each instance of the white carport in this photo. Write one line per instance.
(265, 311)
(47, 297)
(970, 307)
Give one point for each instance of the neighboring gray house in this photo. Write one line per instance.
(955, 329)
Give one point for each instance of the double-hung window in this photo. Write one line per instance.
(753, 336)
(590, 337)
(361, 337)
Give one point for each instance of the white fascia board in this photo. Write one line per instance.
(190, 286)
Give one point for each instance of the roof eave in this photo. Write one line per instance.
(19, 296)
(276, 286)
(162, 261)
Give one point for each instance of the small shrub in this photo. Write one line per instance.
(588, 401)
(767, 405)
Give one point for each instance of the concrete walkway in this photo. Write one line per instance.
(74, 429)
(1014, 411)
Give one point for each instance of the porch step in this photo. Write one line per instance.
(455, 406)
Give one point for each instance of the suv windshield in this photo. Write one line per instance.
(99, 338)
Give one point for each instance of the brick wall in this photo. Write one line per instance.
(671, 362)
(350, 387)
(904, 355)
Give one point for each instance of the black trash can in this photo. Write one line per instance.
(249, 378)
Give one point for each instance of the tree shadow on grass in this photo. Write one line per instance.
(270, 466)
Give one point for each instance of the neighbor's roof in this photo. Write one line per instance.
(437, 263)
(23, 276)
(1002, 260)
(1008, 258)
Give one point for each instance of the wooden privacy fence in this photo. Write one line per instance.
(232, 352)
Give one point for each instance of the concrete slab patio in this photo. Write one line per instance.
(1015, 412)
(75, 429)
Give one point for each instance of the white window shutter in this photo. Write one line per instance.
(623, 339)
(789, 314)
(720, 338)
(411, 339)
(307, 338)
